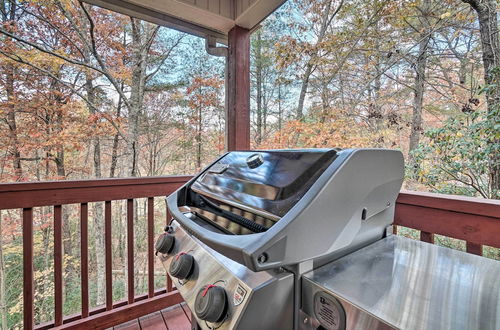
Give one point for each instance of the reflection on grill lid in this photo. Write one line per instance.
(267, 182)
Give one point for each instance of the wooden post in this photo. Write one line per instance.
(238, 90)
(28, 293)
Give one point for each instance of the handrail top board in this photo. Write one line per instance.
(455, 203)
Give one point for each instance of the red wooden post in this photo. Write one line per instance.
(427, 237)
(474, 248)
(151, 261)
(130, 250)
(58, 265)
(238, 90)
(84, 257)
(28, 293)
(107, 252)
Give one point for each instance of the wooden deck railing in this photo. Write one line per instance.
(26, 196)
(474, 220)
(477, 221)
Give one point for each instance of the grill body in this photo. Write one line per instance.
(255, 222)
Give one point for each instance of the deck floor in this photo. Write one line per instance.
(177, 317)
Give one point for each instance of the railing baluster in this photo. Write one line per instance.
(28, 293)
(427, 237)
(108, 251)
(130, 249)
(58, 266)
(474, 248)
(84, 257)
(169, 285)
(151, 262)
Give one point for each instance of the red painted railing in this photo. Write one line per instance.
(477, 221)
(474, 220)
(26, 196)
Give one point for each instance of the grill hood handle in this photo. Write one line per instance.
(232, 246)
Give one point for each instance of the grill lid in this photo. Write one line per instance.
(265, 182)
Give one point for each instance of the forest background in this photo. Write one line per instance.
(88, 93)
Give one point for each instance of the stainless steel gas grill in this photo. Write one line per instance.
(255, 237)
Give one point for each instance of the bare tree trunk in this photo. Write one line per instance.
(116, 140)
(419, 84)
(8, 12)
(3, 301)
(142, 36)
(198, 140)
(488, 26)
(325, 22)
(280, 111)
(11, 122)
(303, 91)
(98, 232)
(258, 82)
(325, 104)
(377, 108)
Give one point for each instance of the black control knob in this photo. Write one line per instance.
(165, 243)
(255, 161)
(182, 266)
(211, 303)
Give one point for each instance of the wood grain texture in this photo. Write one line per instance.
(125, 313)
(238, 90)
(28, 195)
(108, 251)
(152, 321)
(150, 238)
(176, 319)
(101, 309)
(427, 237)
(28, 292)
(58, 266)
(462, 204)
(84, 257)
(187, 311)
(469, 227)
(130, 325)
(130, 250)
(474, 248)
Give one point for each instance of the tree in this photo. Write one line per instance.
(487, 12)
(454, 158)
(203, 99)
(424, 37)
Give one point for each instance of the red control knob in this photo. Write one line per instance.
(211, 303)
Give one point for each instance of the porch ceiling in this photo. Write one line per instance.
(199, 17)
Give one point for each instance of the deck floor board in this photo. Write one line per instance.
(186, 310)
(173, 318)
(153, 321)
(176, 318)
(130, 325)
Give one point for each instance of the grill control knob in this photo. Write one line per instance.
(255, 161)
(182, 266)
(165, 243)
(211, 303)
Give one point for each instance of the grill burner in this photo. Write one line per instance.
(257, 237)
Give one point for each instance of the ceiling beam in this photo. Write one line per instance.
(156, 17)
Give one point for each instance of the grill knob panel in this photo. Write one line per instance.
(165, 243)
(182, 266)
(211, 303)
